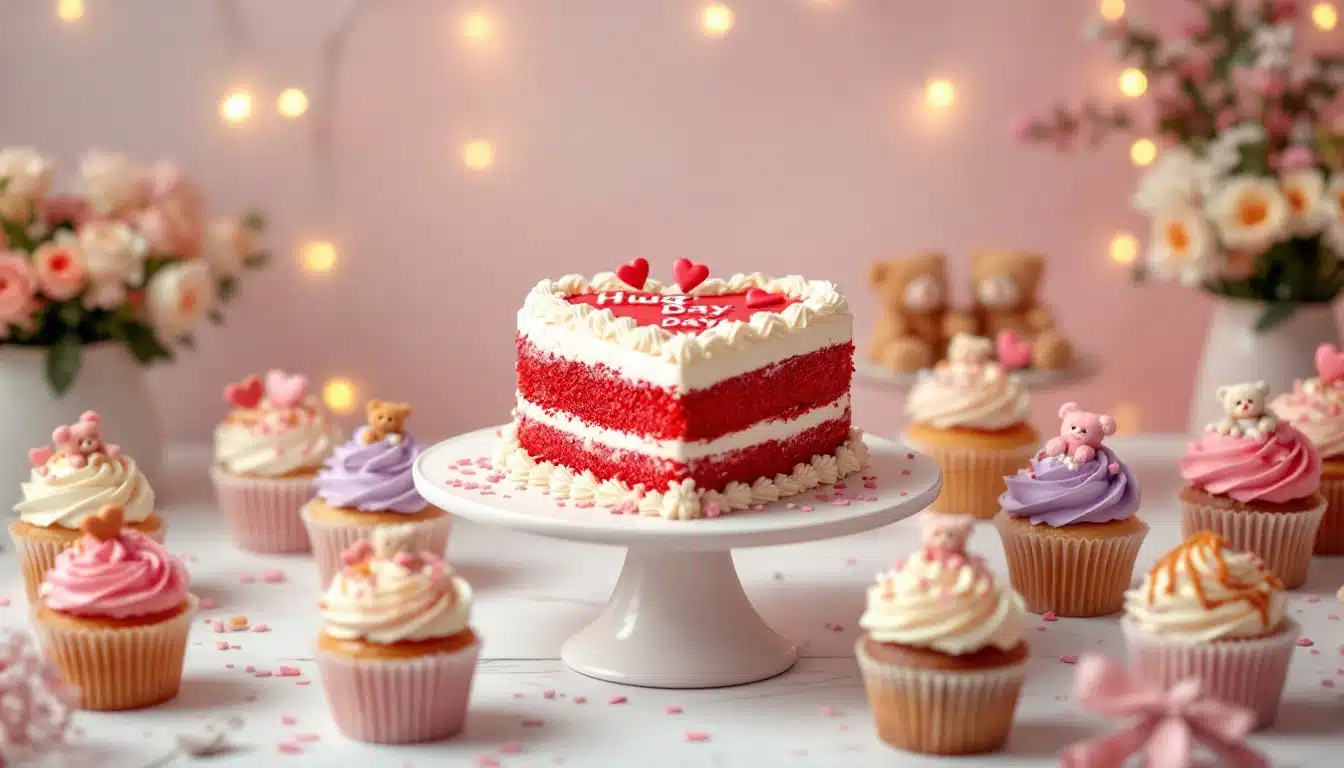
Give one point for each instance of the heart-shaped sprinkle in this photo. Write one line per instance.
(285, 390)
(1012, 351)
(245, 394)
(634, 273)
(39, 456)
(758, 299)
(689, 274)
(1329, 363)
(104, 526)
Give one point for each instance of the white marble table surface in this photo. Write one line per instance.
(532, 593)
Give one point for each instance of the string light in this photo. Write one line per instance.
(1324, 16)
(1142, 152)
(70, 10)
(236, 106)
(478, 155)
(477, 25)
(940, 93)
(340, 395)
(1124, 248)
(1112, 10)
(716, 19)
(318, 257)
(1133, 82)
(292, 102)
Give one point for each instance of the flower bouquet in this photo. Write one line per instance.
(1246, 198)
(130, 258)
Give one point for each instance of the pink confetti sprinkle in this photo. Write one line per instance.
(549, 693)
(870, 485)
(1049, 616)
(1315, 652)
(758, 507)
(1311, 598)
(246, 578)
(806, 507)
(822, 497)
(518, 695)
(909, 455)
(234, 647)
(1327, 683)
(672, 709)
(1333, 617)
(533, 722)
(580, 699)
(470, 486)
(585, 505)
(511, 748)
(306, 737)
(1069, 659)
(4, 602)
(228, 666)
(837, 627)
(262, 673)
(288, 720)
(303, 682)
(469, 472)
(1040, 628)
(221, 645)
(289, 748)
(486, 761)
(695, 736)
(617, 700)
(249, 668)
(841, 502)
(839, 486)
(903, 493)
(273, 577)
(905, 472)
(208, 603)
(827, 712)
(1305, 642)
(288, 671)
(851, 561)
(218, 626)
(261, 628)
(464, 462)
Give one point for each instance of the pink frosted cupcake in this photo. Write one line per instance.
(267, 453)
(114, 615)
(1210, 613)
(396, 653)
(1255, 480)
(1316, 408)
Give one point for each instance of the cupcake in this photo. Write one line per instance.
(1255, 480)
(396, 653)
(970, 418)
(366, 484)
(1315, 408)
(942, 655)
(267, 454)
(1208, 612)
(1069, 524)
(114, 614)
(70, 483)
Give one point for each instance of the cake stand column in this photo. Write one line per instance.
(679, 620)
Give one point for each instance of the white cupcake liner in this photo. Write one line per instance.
(1069, 575)
(1283, 540)
(120, 668)
(941, 712)
(1249, 672)
(331, 539)
(263, 512)
(973, 478)
(399, 701)
(37, 556)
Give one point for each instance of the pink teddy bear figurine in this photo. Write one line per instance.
(82, 442)
(1079, 436)
(945, 536)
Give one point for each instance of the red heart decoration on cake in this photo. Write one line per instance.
(1012, 351)
(634, 273)
(689, 274)
(1329, 363)
(758, 299)
(244, 394)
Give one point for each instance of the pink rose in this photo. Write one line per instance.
(1278, 123)
(61, 272)
(1228, 118)
(62, 208)
(1196, 67)
(1295, 158)
(174, 221)
(18, 291)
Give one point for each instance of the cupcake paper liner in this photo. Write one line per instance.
(37, 556)
(1250, 672)
(331, 539)
(941, 712)
(123, 668)
(399, 701)
(263, 513)
(973, 478)
(1330, 536)
(1284, 540)
(1069, 575)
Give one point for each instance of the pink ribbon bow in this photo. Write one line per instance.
(1166, 726)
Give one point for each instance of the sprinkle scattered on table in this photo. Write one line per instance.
(1069, 659)
(1049, 616)
(696, 736)
(672, 709)
(1305, 642)
(617, 700)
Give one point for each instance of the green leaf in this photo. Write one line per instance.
(62, 364)
(1274, 314)
(144, 344)
(228, 288)
(72, 313)
(254, 221)
(257, 260)
(215, 316)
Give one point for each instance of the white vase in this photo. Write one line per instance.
(1235, 352)
(110, 381)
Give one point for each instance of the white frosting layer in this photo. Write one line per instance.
(66, 495)
(680, 450)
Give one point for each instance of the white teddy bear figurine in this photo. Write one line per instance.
(1247, 411)
(967, 349)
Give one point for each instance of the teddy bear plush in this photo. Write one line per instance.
(387, 421)
(914, 321)
(80, 444)
(945, 535)
(1247, 411)
(1080, 435)
(1004, 286)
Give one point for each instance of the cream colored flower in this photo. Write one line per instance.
(1250, 213)
(178, 297)
(1172, 182)
(114, 183)
(227, 243)
(25, 177)
(1182, 247)
(115, 257)
(1305, 192)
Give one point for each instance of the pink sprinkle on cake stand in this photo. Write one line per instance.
(678, 617)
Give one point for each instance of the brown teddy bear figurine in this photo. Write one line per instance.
(914, 323)
(387, 421)
(1004, 286)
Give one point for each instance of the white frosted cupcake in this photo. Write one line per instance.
(1209, 613)
(267, 454)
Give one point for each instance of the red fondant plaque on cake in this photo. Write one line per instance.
(681, 312)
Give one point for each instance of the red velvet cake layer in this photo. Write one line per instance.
(599, 396)
(544, 443)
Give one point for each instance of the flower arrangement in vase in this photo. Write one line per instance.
(1246, 197)
(130, 258)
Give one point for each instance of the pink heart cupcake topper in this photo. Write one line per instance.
(689, 274)
(245, 394)
(634, 273)
(285, 390)
(1329, 363)
(1012, 351)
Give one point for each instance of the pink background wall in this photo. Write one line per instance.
(796, 143)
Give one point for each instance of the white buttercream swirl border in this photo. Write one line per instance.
(681, 501)
(547, 304)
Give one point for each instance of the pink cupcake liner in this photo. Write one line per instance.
(399, 701)
(1069, 575)
(1284, 540)
(263, 513)
(331, 539)
(37, 556)
(1249, 672)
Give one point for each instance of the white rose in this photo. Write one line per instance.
(25, 176)
(1172, 182)
(115, 259)
(1250, 213)
(1305, 192)
(178, 297)
(114, 183)
(227, 243)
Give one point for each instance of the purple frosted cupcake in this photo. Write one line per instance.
(367, 484)
(1069, 522)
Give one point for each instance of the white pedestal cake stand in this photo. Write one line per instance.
(877, 376)
(678, 617)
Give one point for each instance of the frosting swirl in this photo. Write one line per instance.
(984, 398)
(124, 576)
(66, 495)
(1317, 410)
(273, 442)
(376, 476)
(1056, 492)
(1200, 592)
(1280, 469)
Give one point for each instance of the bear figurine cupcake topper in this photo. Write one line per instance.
(1080, 435)
(1247, 411)
(944, 537)
(80, 445)
(387, 421)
